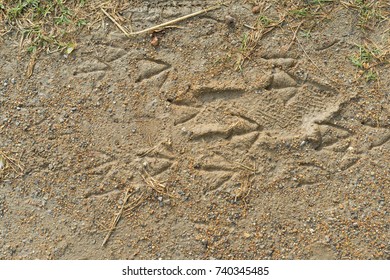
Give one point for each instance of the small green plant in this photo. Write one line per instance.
(363, 57)
(264, 20)
(320, 2)
(305, 33)
(62, 19)
(371, 76)
(42, 12)
(32, 49)
(45, 24)
(81, 22)
(366, 60)
(64, 14)
(244, 42)
(369, 13)
(304, 12)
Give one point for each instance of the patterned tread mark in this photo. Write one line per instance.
(287, 95)
(238, 112)
(321, 86)
(266, 118)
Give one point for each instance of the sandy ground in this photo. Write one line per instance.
(223, 137)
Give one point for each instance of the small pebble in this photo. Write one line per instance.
(2, 163)
(327, 239)
(256, 9)
(154, 41)
(230, 21)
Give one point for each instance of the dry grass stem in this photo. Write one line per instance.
(116, 23)
(242, 166)
(117, 218)
(315, 65)
(294, 36)
(154, 184)
(130, 207)
(31, 65)
(163, 25)
(12, 163)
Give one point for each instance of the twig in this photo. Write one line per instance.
(116, 23)
(148, 151)
(243, 166)
(117, 218)
(159, 26)
(13, 163)
(169, 26)
(31, 64)
(135, 204)
(154, 184)
(315, 65)
(255, 36)
(250, 27)
(295, 36)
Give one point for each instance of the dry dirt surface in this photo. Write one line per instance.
(247, 132)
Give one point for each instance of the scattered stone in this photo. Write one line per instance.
(154, 41)
(230, 21)
(2, 162)
(256, 9)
